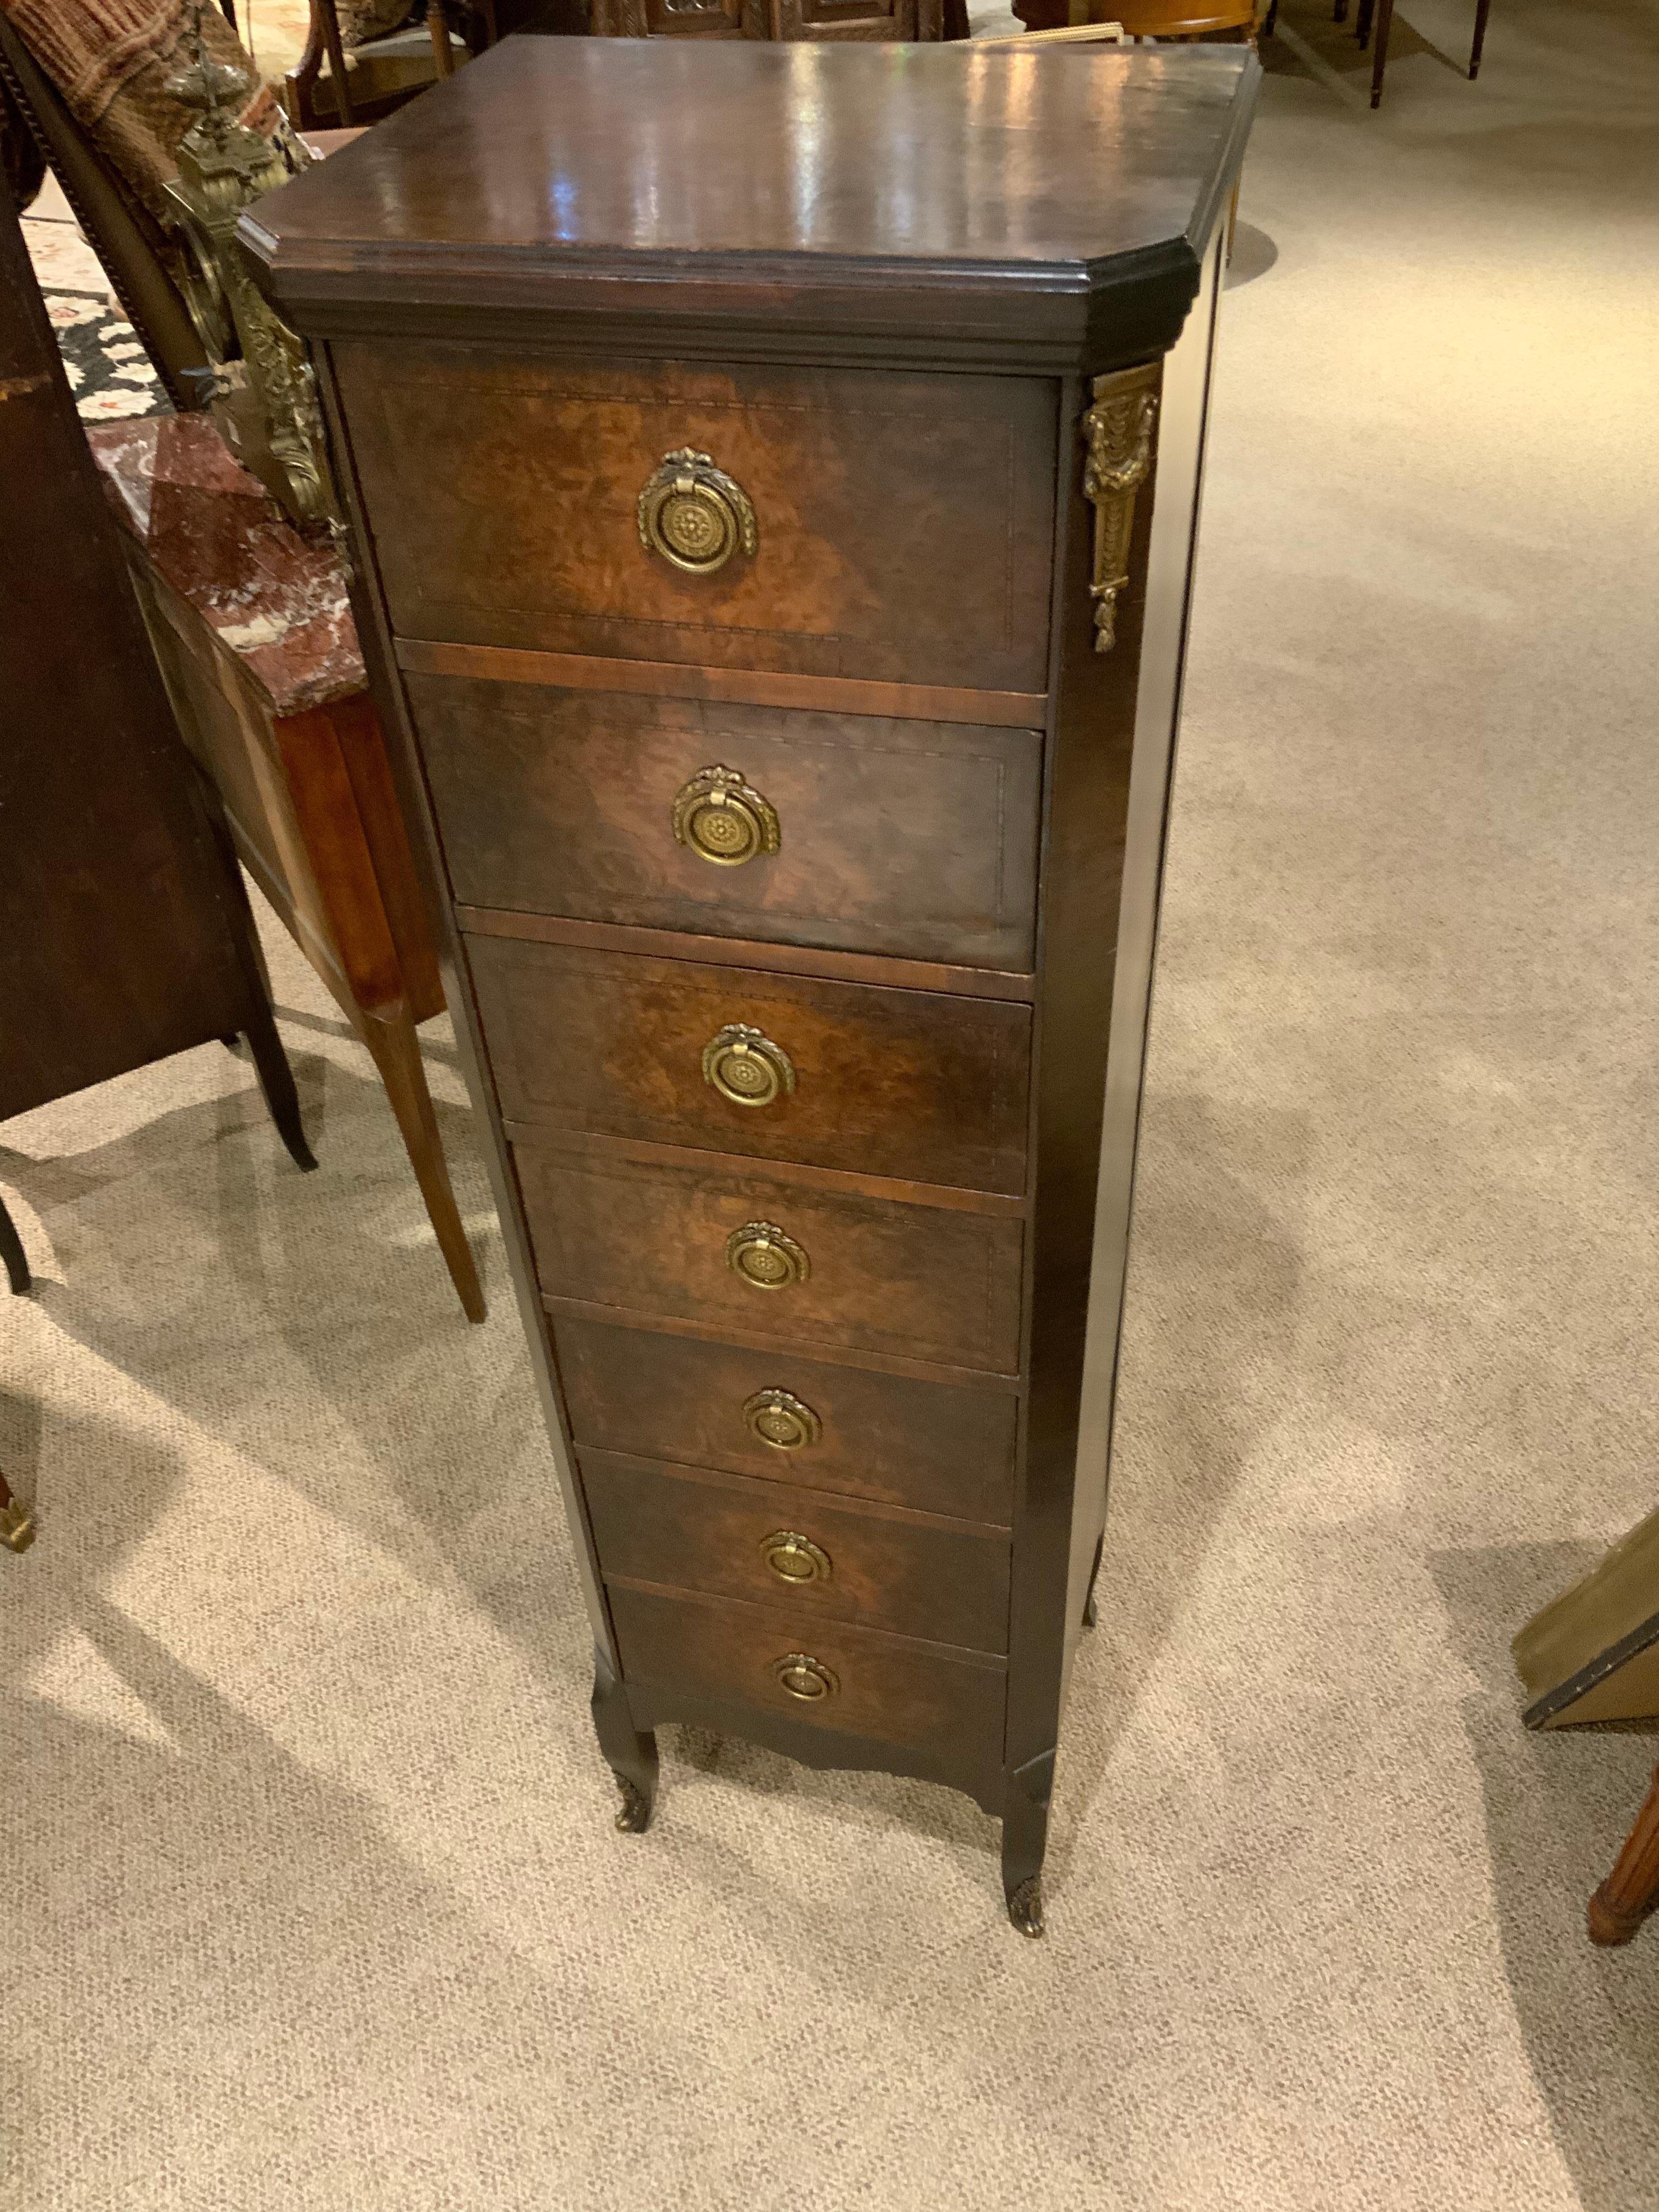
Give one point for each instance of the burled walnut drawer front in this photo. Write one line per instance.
(893, 1688)
(774, 1544)
(750, 1253)
(911, 1084)
(937, 1446)
(878, 836)
(890, 526)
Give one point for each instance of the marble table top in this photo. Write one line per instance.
(275, 599)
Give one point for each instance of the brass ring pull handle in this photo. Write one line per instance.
(765, 1257)
(694, 514)
(778, 1418)
(809, 1680)
(723, 819)
(745, 1066)
(794, 1558)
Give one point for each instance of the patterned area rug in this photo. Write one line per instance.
(108, 369)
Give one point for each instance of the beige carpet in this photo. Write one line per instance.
(311, 1895)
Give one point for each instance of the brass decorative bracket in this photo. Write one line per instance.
(268, 407)
(1118, 431)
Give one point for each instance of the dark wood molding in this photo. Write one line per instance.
(1078, 274)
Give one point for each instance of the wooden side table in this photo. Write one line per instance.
(251, 627)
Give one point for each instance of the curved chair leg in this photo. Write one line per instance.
(12, 1252)
(277, 1081)
(1631, 1892)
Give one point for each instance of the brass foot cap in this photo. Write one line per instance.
(634, 1817)
(1025, 1907)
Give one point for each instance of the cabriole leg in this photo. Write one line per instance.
(1026, 1839)
(12, 1252)
(632, 1754)
(1091, 1614)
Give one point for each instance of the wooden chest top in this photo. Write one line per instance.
(1040, 209)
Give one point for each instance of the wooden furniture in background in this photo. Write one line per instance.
(780, 587)
(126, 237)
(1145, 19)
(790, 20)
(1631, 1892)
(1380, 13)
(251, 625)
(383, 74)
(125, 933)
(1592, 1654)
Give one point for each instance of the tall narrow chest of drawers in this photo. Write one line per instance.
(774, 474)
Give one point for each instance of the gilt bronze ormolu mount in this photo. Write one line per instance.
(264, 390)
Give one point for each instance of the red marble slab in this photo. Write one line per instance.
(276, 600)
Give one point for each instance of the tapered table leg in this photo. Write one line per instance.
(390, 1034)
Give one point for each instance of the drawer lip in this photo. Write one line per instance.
(887, 1567)
(803, 1174)
(1009, 1381)
(835, 1501)
(788, 1626)
(885, 970)
(877, 699)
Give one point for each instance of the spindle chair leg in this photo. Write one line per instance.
(1631, 1890)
